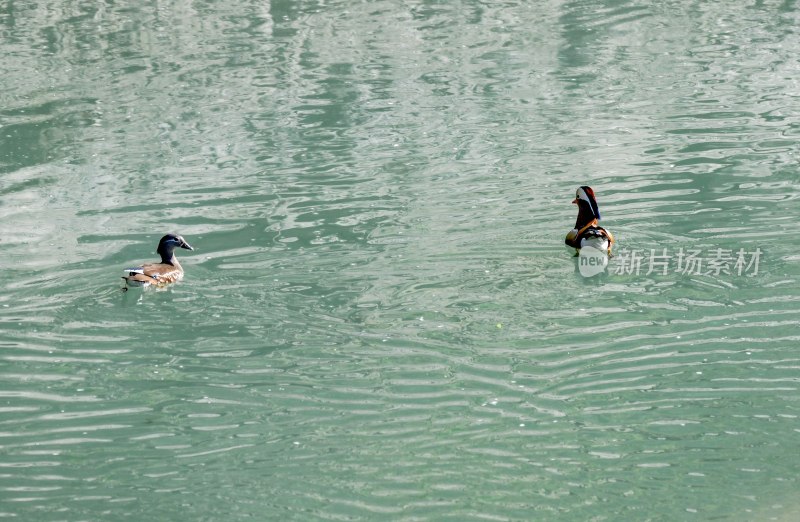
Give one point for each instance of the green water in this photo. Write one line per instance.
(380, 320)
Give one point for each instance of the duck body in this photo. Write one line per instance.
(168, 271)
(587, 233)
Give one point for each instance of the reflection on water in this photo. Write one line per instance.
(380, 319)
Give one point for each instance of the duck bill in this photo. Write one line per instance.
(575, 201)
(187, 246)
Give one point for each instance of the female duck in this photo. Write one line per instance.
(586, 232)
(163, 273)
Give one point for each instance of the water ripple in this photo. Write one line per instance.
(379, 318)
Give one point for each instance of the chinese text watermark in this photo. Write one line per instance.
(691, 261)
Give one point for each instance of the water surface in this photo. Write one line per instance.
(380, 320)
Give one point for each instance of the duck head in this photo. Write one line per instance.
(588, 210)
(167, 246)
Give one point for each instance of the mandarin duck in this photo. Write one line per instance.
(586, 232)
(163, 273)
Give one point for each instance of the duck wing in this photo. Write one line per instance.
(153, 274)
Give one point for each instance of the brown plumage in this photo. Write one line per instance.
(587, 231)
(168, 271)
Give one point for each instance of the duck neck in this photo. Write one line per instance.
(168, 256)
(585, 215)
